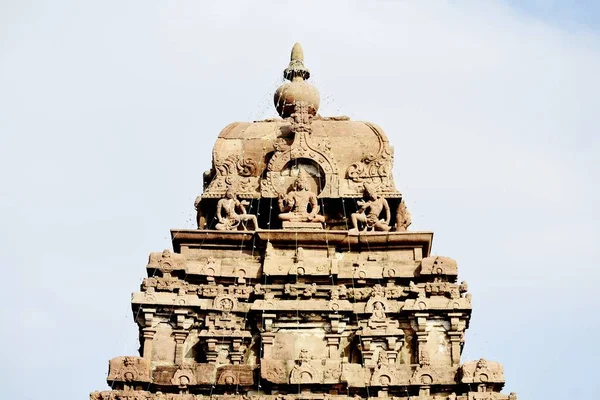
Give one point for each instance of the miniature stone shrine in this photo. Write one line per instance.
(301, 281)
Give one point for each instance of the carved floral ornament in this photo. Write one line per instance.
(378, 165)
(236, 165)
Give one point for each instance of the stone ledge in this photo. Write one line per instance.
(312, 238)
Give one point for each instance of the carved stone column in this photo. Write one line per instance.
(211, 351)
(148, 338)
(422, 334)
(236, 356)
(333, 345)
(456, 334)
(180, 336)
(267, 344)
(455, 341)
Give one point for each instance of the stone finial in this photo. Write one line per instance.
(296, 69)
(297, 90)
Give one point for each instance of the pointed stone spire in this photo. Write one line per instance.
(296, 69)
(297, 90)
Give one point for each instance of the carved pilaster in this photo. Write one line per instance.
(455, 346)
(421, 322)
(333, 345)
(148, 338)
(180, 336)
(267, 344)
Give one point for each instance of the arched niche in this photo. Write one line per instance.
(281, 182)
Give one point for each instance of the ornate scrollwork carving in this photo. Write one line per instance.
(305, 146)
(377, 165)
(236, 165)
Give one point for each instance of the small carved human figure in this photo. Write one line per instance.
(369, 211)
(226, 304)
(197, 206)
(403, 217)
(227, 213)
(481, 364)
(304, 356)
(296, 204)
(378, 312)
(382, 360)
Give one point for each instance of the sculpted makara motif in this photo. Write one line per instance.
(331, 300)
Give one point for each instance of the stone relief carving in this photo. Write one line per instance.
(438, 266)
(234, 375)
(369, 212)
(303, 146)
(403, 217)
(304, 371)
(231, 213)
(424, 374)
(225, 303)
(184, 376)
(383, 375)
(482, 371)
(166, 262)
(236, 165)
(129, 369)
(233, 170)
(374, 168)
(300, 204)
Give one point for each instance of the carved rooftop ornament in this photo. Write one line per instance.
(302, 281)
(297, 90)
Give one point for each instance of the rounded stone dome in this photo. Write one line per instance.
(345, 154)
(261, 158)
(291, 92)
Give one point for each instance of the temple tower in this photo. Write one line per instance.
(302, 280)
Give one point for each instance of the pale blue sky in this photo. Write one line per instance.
(109, 110)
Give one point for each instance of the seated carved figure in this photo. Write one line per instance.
(228, 216)
(369, 211)
(296, 204)
(378, 319)
(378, 312)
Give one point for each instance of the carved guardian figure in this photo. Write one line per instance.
(369, 212)
(228, 216)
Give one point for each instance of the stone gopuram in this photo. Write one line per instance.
(302, 281)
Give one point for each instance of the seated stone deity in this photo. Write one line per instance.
(369, 211)
(378, 312)
(300, 204)
(228, 216)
